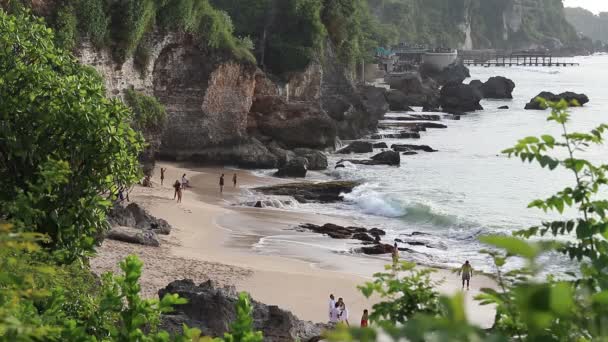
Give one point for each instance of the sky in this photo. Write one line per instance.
(594, 6)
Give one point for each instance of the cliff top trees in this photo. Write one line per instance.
(65, 149)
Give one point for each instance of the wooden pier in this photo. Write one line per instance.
(530, 59)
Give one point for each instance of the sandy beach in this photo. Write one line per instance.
(212, 239)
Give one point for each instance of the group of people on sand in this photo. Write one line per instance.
(179, 186)
(338, 312)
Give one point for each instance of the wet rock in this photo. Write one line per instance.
(363, 237)
(498, 87)
(477, 84)
(376, 231)
(568, 96)
(409, 153)
(357, 147)
(460, 98)
(387, 158)
(376, 249)
(398, 101)
(413, 126)
(407, 147)
(380, 145)
(400, 135)
(212, 310)
(133, 235)
(503, 107)
(295, 168)
(415, 90)
(453, 73)
(414, 117)
(317, 160)
(134, 216)
(311, 192)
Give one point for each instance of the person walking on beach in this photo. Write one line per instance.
(395, 255)
(364, 319)
(332, 305)
(343, 315)
(222, 184)
(234, 180)
(467, 273)
(185, 182)
(162, 175)
(178, 191)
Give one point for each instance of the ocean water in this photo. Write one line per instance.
(468, 188)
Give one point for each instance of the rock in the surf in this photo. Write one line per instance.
(503, 107)
(460, 98)
(357, 147)
(408, 147)
(295, 168)
(317, 160)
(498, 87)
(380, 145)
(213, 309)
(324, 192)
(376, 249)
(398, 101)
(387, 158)
(570, 97)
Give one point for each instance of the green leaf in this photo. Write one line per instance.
(512, 245)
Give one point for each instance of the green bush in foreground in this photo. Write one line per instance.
(528, 308)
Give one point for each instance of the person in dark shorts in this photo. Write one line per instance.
(234, 180)
(162, 175)
(178, 190)
(467, 273)
(222, 183)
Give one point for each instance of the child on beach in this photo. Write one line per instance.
(364, 319)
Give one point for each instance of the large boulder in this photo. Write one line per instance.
(317, 160)
(296, 168)
(134, 216)
(415, 90)
(498, 88)
(459, 98)
(133, 235)
(387, 158)
(398, 101)
(294, 124)
(376, 249)
(212, 310)
(453, 73)
(324, 192)
(357, 147)
(568, 96)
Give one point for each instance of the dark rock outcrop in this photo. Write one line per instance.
(582, 99)
(376, 249)
(498, 87)
(503, 107)
(459, 98)
(477, 84)
(133, 235)
(135, 216)
(415, 91)
(453, 73)
(357, 147)
(398, 101)
(380, 145)
(400, 135)
(339, 232)
(387, 158)
(212, 310)
(295, 168)
(311, 192)
(317, 160)
(408, 147)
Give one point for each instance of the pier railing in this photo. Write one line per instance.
(498, 59)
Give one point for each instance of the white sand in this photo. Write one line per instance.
(200, 248)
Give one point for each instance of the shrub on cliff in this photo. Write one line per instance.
(64, 147)
(568, 307)
(149, 114)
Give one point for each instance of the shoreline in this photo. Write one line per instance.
(213, 240)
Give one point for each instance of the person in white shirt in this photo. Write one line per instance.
(334, 314)
(332, 305)
(343, 315)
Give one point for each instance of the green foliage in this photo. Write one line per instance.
(93, 21)
(131, 19)
(149, 114)
(528, 308)
(241, 330)
(65, 24)
(61, 189)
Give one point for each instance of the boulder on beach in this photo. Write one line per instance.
(317, 160)
(135, 216)
(460, 98)
(133, 235)
(339, 232)
(498, 87)
(377, 249)
(357, 147)
(387, 158)
(570, 97)
(380, 145)
(324, 192)
(295, 168)
(398, 101)
(213, 310)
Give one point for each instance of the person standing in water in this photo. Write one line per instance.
(467, 273)
(222, 184)
(234, 180)
(162, 175)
